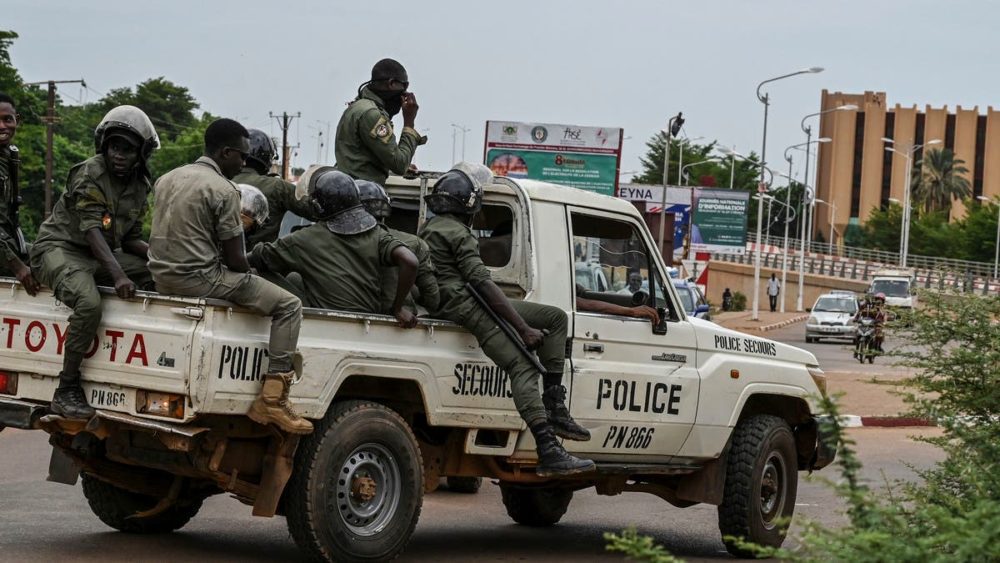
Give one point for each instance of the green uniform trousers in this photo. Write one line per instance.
(74, 276)
(523, 375)
(260, 296)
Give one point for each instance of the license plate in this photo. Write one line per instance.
(101, 396)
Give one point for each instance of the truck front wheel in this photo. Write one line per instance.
(358, 485)
(115, 506)
(761, 484)
(535, 506)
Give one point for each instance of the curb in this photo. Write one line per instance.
(856, 421)
(784, 323)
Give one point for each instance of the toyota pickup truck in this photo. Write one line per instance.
(685, 410)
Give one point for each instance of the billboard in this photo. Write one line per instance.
(720, 221)
(678, 204)
(571, 155)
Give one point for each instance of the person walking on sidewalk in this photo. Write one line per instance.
(773, 289)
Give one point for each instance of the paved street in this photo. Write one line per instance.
(41, 521)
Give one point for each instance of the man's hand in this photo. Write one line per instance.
(124, 287)
(23, 274)
(406, 318)
(532, 337)
(411, 171)
(646, 312)
(409, 108)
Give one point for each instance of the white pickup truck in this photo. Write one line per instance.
(688, 411)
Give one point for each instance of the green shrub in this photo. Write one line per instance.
(739, 301)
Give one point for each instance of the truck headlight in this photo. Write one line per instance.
(819, 378)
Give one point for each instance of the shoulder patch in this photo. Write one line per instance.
(382, 129)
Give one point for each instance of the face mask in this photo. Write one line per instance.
(392, 100)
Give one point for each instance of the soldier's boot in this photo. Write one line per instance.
(271, 406)
(554, 399)
(553, 459)
(69, 400)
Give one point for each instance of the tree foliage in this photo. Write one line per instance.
(938, 179)
(931, 234)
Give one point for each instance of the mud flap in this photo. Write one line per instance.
(277, 471)
(62, 469)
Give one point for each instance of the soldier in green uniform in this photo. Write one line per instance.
(13, 254)
(339, 257)
(366, 147)
(93, 236)
(456, 198)
(376, 201)
(279, 193)
(196, 249)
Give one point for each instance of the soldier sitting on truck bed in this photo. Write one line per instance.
(94, 236)
(456, 199)
(13, 257)
(339, 256)
(196, 249)
(279, 193)
(376, 201)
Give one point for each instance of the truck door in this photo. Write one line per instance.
(636, 391)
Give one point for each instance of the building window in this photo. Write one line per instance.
(859, 146)
(890, 124)
(977, 169)
(949, 132)
(918, 137)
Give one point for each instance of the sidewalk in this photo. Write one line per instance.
(741, 321)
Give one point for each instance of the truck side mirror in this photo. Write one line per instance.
(661, 327)
(703, 308)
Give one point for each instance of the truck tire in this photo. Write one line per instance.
(535, 506)
(113, 505)
(358, 485)
(465, 485)
(761, 483)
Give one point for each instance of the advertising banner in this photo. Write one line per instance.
(582, 157)
(678, 204)
(720, 221)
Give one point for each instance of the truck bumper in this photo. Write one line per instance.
(20, 414)
(826, 446)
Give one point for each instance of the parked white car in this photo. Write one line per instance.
(830, 317)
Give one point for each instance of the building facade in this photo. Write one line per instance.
(858, 175)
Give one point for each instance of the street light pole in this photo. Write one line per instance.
(766, 100)
(996, 257)
(906, 152)
(833, 212)
(673, 128)
(686, 180)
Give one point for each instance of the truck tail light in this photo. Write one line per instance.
(160, 404)
(8, 383)
(819, 378)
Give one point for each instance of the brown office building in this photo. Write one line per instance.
(856, 172)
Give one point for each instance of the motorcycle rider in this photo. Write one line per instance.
(873, 308)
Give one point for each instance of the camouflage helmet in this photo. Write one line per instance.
(375, 199)
(337, 202)
(262, 150)
(131, 123)
(253, 203)
(460, 190)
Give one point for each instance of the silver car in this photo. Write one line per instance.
(831, 317)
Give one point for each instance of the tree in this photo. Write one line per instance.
(882, 231)
(939, 178)
(169, 106)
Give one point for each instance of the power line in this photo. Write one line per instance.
(284, 120)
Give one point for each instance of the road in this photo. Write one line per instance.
(835, 355)
(41, 521)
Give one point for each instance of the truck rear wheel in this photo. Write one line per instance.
(114, 506)
(535, 506)
(358, 485)
(761, 484)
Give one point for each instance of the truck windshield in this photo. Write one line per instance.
(891, 288)
(687, 300)
(836, 305)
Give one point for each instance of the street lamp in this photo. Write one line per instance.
(808, 217)
(765, 99)
(906, 151)
(455, 128)
(996, 258)
(686, 166)
(802, 225)
(673, 128)
(833, 215)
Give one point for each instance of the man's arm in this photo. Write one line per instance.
(136, 247)
(406, 262)
(23, 274)
(603, 307)
(430, 292)
(124, 287)
(375, 131)
(497, 301)
(234, 256)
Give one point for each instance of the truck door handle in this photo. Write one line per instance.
(589, 347)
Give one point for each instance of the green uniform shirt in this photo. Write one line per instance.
(455, 252)
(95, 198)
(340, 272)
(195, 208)
(366, 147)
(8, 242)
(426, 279)
(280, 198)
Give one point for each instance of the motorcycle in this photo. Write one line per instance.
(865, 348)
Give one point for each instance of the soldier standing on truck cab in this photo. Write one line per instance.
(94, 236)
(13, 258)
(376, 201)
(196, 249)
(340, 255)
(279, 193)
(456, 199)
(366, 147)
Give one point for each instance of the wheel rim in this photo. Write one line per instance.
(773, 488)
(368, 489)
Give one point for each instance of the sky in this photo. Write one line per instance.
(628, 64)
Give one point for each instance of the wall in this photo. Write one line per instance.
(739, 277)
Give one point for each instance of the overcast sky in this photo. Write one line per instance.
(629, 64)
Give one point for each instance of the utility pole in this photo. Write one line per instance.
(50, 121)
(284, 120)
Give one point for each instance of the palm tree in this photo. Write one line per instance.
(938, 178)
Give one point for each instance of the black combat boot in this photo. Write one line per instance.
(554, 399)
(69, 400)
(553, 460)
